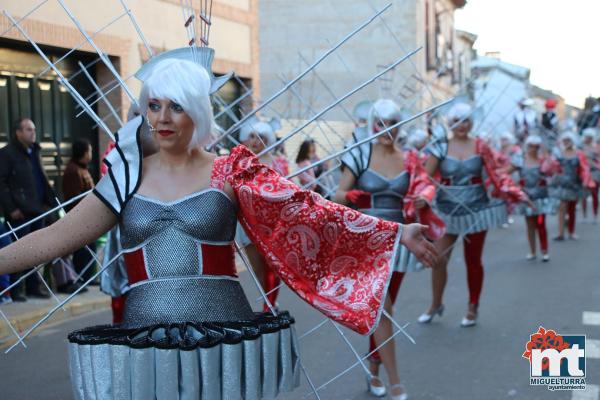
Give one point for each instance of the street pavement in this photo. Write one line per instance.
(447, 361)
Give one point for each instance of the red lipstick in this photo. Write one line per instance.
(165, 132)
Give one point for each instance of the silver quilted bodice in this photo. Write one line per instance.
(387, 194)
(569, 167)
(460, 172)
(171, 233)
(532, 178)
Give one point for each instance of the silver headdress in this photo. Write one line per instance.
(200, 55)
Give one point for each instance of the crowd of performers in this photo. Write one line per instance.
(461, 186)
(183, 327)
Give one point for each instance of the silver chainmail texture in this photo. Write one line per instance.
(179, 300)
(172, 231)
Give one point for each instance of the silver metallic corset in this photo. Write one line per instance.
(569, 177)
(532, 178)
(170, 238)
(387, 194)
(171, 232)
(461, 172)
(461, 181)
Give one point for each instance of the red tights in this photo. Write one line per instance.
(571, 215)
(473, 251)
(118, 305)
(393, 290)
(271, 282)
(595, 201)
(539, 221)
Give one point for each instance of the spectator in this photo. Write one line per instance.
(306, 153)
(590, 118)
(24, 195)
(77, 180)
(525, 120)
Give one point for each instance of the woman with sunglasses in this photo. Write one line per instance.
(463, 203)
(380, 179)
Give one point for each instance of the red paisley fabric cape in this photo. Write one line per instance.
(336, 259)
(584, 170)
(421, 185)
(504, 187)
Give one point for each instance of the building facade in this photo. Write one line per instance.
(28, 88)
(498, 87)
(295, 34)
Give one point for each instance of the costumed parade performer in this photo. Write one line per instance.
(569, 183)
(382, 180)
(592, 151)
(463, 203)
(188, 330)
(525, 120)
(534, 170)
(256, 135)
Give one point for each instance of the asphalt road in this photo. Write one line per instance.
(448, 362)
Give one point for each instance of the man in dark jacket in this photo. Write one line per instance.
(24, 193)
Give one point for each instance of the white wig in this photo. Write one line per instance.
(417, 138)
(264, 129)
(187, 84)
(384, 109)
(569, 135)
(589, 132)
(533, 140)
(460, 112)
(509, 137)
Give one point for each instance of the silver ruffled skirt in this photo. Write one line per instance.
(252, 358)
(468, 209)
(545, 205)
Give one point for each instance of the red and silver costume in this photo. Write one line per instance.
(188, 329)
(463, 202)
(392, 199)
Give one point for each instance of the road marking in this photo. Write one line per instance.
(591, 392)
(592, 348)
(591, 318)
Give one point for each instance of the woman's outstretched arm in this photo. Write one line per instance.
(82, 225)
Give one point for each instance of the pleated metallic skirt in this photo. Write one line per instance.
(209, 361)
(468, 209)
(186, 338)
(567, 193)
(545, 206)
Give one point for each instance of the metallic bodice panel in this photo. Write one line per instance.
(171, 233)
(171, 236)
(532, 177)
(569, 166)
(387, 194)
(167, 301)
(461, 172)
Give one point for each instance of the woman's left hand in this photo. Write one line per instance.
(413, 237)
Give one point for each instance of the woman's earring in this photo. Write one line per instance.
(152, 129)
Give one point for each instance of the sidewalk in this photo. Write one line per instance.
(23, 315)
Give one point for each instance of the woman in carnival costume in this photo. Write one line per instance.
(463, 203)
(591, 149)
(381, 179)
(256, 135)
(569, 183)
(188, 330)
(534, 170)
